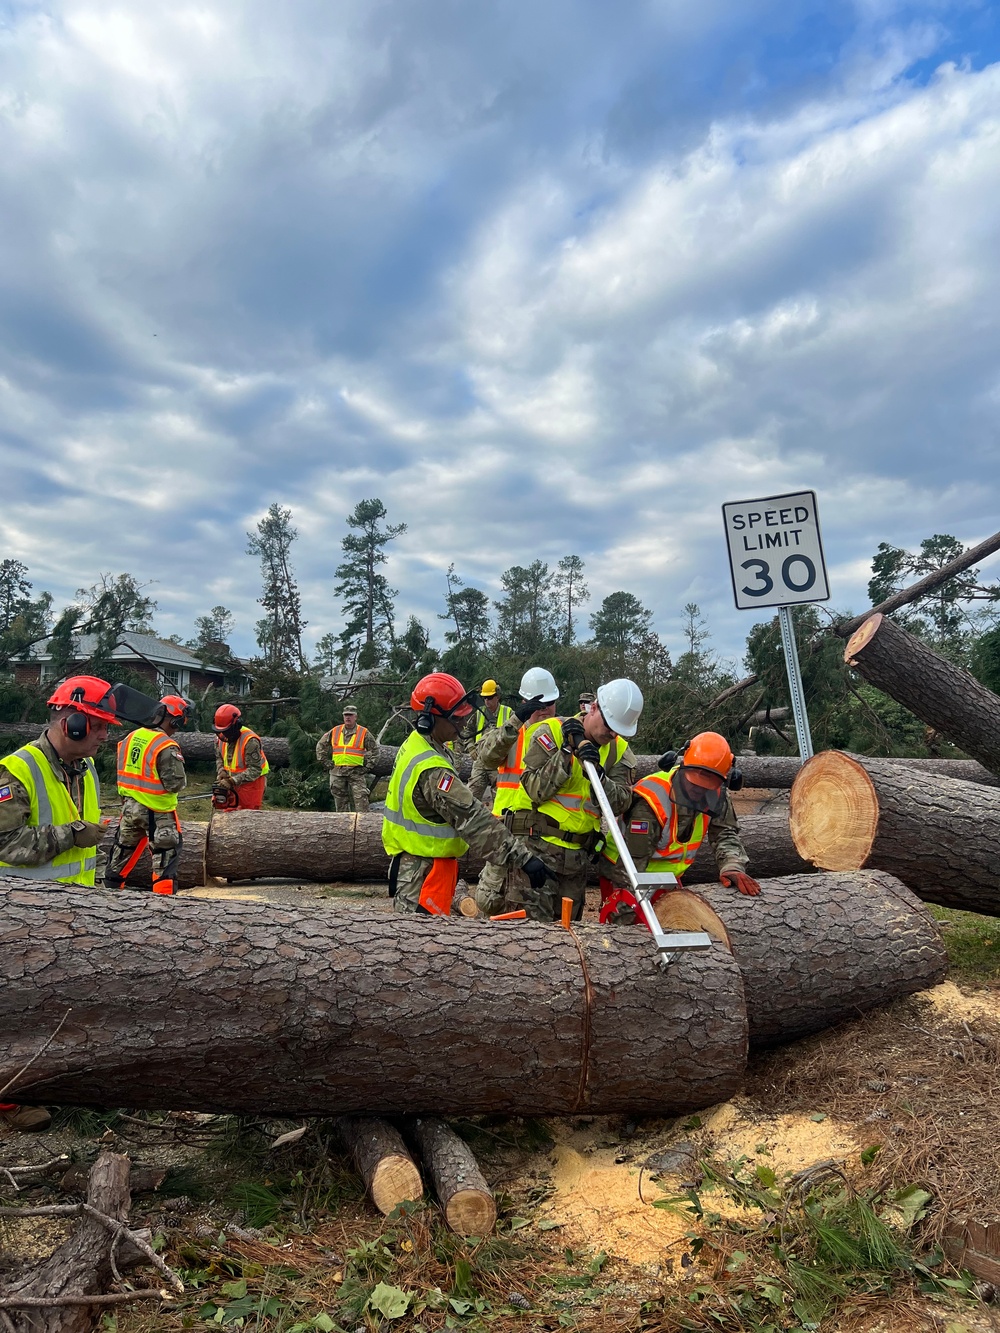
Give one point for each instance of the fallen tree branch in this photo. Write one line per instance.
(109, 1298)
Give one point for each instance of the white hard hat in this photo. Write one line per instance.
(537, 681)
(620, 701)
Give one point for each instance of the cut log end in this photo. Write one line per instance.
(834, 810)
(861, 636)
(681, 910)
(470, 1212)
(395, 1180)
(467, 907)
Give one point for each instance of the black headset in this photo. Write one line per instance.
(673, 757)
(425, 718)
(77, 725)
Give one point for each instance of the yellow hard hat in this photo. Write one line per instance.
(490, 687)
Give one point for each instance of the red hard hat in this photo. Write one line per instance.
(447, 694)
(86, 694)
(176, 707)
(225, 716)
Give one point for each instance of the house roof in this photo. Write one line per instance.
(132, 646)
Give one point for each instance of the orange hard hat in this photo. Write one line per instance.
(442, 695)
(86, 694)
(708, 750)
(176, 707)
(225, 716)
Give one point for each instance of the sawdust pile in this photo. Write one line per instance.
(949, 1002)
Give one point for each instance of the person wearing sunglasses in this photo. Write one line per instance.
(671, 814)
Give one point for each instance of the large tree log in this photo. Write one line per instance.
(940, 837)
(459, 1184)
(191, 869)
(235, 1007)
(768, 840)
(816, 950)
(382, 1159)
(939, 693)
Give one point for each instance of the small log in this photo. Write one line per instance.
(816, 950)
(382, 1160)
(142, 1179)
(934, 834)
(941, 694)
(462, 1192)
(191, 868)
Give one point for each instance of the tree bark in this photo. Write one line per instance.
(191, 869)
(939, 693)
(816, 950)
(768, 840)
(81, 1266)
(459, 1184)
(249, 1007)
(382, 1160)
(940, 837)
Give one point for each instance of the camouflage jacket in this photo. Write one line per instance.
(21, 845)
(493, 748)
(253, 758)
(723, 834)
(439, 799)
(547, 769)
(170, 769)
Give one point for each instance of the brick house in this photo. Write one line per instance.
(167, 666)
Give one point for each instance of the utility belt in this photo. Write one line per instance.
(535, 824)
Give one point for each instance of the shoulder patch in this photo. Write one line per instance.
(446, 780)
(638, 826)
(6, 794)
(546, 741)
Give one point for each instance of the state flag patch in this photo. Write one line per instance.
(546, 741)
(638, 826)
(6, 794)
(446, 780)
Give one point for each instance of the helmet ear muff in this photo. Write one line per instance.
(76, 726)
(735, 779)
(425, 719)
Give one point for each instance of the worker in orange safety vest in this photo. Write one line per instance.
(349, 752)
(241, 766)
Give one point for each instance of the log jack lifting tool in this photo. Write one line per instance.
(645, 885)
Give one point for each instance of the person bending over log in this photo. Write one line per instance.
(672, 812)
(431, 817)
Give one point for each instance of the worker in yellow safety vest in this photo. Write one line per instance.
(349, 752)
(671, 813)
(490, 716)
(150, 776)
(431, 817)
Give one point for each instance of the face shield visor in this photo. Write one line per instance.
(132, 706)
(699, 789)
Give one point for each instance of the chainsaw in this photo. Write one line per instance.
(223, 798)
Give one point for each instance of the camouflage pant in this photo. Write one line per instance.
(499, 889)
(571, 867)
(483, 783)
(410, 875)
(138, 822)
(347, 782)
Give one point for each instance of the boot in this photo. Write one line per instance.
(28, 1119)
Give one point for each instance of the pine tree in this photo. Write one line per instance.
(23, 621)
(526, 615)
(369, 633)
(469, 610)
(696, 666)
(569, 592)
(214, 633)
(279, 633)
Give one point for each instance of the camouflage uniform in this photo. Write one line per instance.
(496, 891)
(458, 807)
(483, 782)
(253, 758)
(138, 821)
(21, 845)
(546, 770)
(347, 781)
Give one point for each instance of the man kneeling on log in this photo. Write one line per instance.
(672, 812)
(431, 817)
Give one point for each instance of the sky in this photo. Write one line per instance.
(546, 278)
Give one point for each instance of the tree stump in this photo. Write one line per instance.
(201, 1004)
(816, 950)
(459, 1184)
(934, 834)
(382, 1160)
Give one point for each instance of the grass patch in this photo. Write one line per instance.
(973, 943)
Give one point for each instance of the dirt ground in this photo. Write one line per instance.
(604, 1223)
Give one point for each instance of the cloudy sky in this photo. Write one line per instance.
(546, 277)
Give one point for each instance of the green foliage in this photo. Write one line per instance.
(973, 943)
(367, 599)
(279, 633)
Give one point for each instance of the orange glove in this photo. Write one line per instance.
(737, 879)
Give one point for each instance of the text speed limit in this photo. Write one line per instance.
(775, 551)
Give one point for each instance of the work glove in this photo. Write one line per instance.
(226, 783)
(526, 707)
(573, 732)
(537, 872)
(90, 835)
(739, 880)
(588, 750)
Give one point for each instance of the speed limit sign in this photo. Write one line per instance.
(775, 551)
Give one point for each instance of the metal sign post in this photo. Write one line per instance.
(645, 885)
(776, 559)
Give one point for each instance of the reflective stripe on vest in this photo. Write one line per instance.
(404, 827)
(51, 804)
(137, 772)
(234, 757)
(670, 854)
(350, 751)
(573, 807)
(486, 723)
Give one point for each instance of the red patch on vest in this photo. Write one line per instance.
(6, 794)
(446, 781)
(546, 741)
(639, 826)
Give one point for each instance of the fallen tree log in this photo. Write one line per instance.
(936, 835)
(191, 869)
(196, 1004)
(941, 694)
(768, 840)
(816, 950)
(382, 1160)
(462, 1191)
